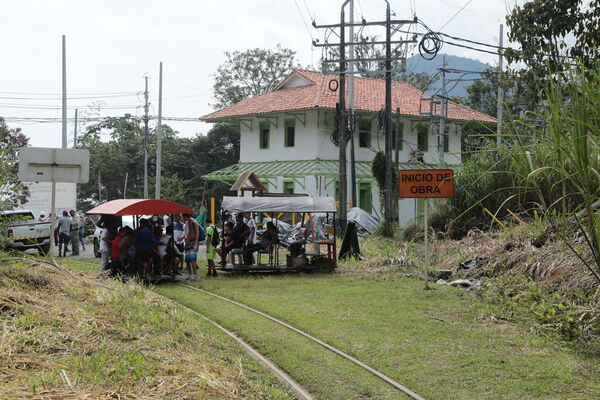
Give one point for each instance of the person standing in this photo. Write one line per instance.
(74, 234)
(81, 229)
(179, 234)
(64, 233)
(211, 249)
(191, 246)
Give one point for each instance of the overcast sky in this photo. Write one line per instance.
(111, 45)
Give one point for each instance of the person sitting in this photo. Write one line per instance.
(127, 250)
(234, 241)
(173, 256)
(269, 237)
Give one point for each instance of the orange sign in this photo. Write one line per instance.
(421, 183)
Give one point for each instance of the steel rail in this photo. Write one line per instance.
(275, 369)
(329, 347)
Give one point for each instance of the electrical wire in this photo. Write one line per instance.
(454, 16)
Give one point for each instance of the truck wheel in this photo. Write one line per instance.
(96, 248)
(44, 250)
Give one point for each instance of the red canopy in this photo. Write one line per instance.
(140, 207)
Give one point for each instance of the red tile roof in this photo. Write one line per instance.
(369, 95)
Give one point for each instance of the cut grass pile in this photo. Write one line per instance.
(440, 343)
(69, 335)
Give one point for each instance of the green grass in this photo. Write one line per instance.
(68, 335)
(439, 343)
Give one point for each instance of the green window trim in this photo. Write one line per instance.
(364, 133)
(289, 187)
(422, 137)
(289, 132)
(264, 136)
(365, 198)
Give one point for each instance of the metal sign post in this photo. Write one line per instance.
(426, 184)
(40, 164)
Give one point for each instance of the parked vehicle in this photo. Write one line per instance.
(23, 232)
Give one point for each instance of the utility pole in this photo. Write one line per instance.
(500, 88)
(397, 144)
(351, 116)
(338, 30)
(146, 140)
(442, 115)
(388, 209)
(75, 131)
(159, 136)
(342, 123)
(64, 92)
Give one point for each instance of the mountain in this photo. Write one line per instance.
(418, 64)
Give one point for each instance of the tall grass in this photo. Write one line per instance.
(548, 162)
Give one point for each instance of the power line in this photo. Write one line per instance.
(454, 16)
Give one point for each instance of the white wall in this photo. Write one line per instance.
(40, 198)
(312, 140)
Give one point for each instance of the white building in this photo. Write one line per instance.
(286, 137)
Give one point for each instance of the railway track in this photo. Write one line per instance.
(278, 372)
(329, 347)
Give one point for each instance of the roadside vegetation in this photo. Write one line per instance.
(69, 335)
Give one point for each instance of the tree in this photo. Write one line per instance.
(12, 191)
(552, 34)
(250, 73)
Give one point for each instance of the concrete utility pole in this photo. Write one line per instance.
(443, 114)
(75, 131)
(146, 140)
(351, 116)
(159, 136)
(64, 92)
(342, 123)
(388, 191)
(500, 88)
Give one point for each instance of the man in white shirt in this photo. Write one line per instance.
(64, 233)
(252, 225)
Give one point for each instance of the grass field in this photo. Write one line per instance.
(69, 335)
(443, 344)
(440, 343)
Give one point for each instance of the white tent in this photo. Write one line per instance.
(279, 204)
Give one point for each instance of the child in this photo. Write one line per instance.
(211, 250)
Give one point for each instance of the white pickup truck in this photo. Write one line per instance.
(23, 232)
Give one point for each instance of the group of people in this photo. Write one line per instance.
(69, 229)
(243, 235)
(160, 246)
(155, 247)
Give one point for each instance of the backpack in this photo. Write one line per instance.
(202, 234)
(214, 241)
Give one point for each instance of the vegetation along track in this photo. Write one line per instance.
(329, 347)
(274, 368)
(296, 387)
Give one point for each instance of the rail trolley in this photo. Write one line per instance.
(311, 247)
